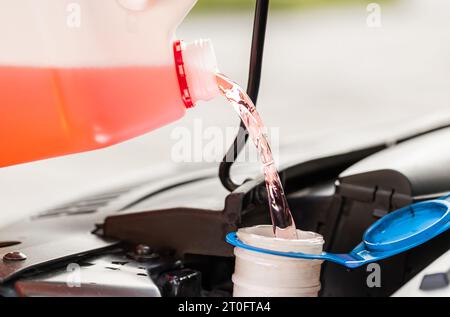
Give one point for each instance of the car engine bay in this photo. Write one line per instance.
(118, 242)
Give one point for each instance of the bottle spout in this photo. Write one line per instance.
(199, 68)
(135, 5)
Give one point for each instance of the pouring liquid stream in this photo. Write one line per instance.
(283, 223)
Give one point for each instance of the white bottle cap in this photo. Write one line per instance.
(200, 66)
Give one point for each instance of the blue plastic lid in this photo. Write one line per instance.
(408, 226)
(396, 232)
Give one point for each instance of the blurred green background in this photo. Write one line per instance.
(203, 5)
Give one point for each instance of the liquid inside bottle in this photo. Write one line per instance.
(49, 111)
(283, 223)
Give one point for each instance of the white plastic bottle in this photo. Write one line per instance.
(265, 275)
(77, 75)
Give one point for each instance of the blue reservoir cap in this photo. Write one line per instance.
(407, 227)
(396, 232)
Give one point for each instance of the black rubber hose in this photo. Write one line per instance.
(254, 79)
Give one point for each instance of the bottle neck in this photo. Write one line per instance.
(196, 67)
